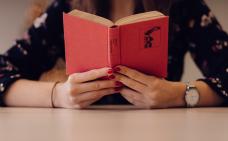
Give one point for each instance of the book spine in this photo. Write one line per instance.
(114, 53)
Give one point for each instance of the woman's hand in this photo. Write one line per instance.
(83, 89)
(149, 91)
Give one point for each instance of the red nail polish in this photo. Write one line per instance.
(118, 84)
(111, 77)
(110, 71)
(116, 69)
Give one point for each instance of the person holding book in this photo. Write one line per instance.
(193, 28)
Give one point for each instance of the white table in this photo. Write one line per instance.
(113, 124)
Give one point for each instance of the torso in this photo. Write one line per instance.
(121, 9)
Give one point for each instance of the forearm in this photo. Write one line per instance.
(207, 96)
(26, 93)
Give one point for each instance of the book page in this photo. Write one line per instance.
(92, 17)
(126, 20)
(139, 17)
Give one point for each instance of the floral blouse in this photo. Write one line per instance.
(193, 28)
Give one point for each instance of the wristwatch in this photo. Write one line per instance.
(192, 95)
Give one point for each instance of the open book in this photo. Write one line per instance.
(138, 41)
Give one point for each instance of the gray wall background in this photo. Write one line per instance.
(12, 14)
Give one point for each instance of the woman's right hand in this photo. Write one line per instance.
(83, 89)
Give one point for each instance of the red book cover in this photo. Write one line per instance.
(141, 45)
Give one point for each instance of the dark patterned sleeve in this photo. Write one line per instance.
(207, 42)
(177, 43)
(37, 51)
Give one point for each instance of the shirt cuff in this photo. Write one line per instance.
(5, 82)
(218, 85)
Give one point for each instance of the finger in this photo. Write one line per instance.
(96, 85)
(93, 95)
(135, 96)
(135, 85)
(90, 75)
(86, 104)
(133, 74)
(137, 99)
(133, 101)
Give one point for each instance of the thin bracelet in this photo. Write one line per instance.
(52, 94)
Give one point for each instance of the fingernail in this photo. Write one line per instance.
(116, 69)
(118, 88)
(119, 84)
(112, 77)
(110, 71)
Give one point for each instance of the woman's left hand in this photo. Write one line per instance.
(147, 91)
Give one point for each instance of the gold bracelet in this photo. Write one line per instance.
(52, 94)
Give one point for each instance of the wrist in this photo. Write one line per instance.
(57, 91)
(179, 92)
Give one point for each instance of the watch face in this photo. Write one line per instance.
(192, 97)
